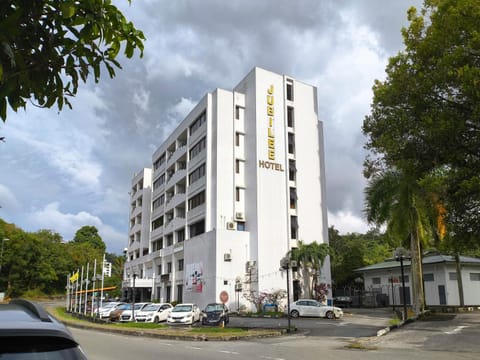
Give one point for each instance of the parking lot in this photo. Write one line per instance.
(355, 323)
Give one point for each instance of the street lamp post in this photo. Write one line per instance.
(401, 254)
(286, 264)
(134, 276)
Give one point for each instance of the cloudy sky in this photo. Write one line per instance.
(61, 171)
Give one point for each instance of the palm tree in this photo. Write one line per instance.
(397, 200)
(310, 258)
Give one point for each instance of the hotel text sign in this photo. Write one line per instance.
(270, 164)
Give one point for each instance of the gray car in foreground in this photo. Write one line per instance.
(27, 332)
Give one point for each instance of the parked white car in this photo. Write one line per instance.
(154, 313)
(107, 308)
(309, 307)
(184, 314)
(127, 314)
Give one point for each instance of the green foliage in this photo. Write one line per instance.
(47, 46)
(353, 251)
(425, 116)
(310, 258)
(39, 263)
(89, 234)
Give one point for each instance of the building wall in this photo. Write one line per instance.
(441, 277)
(247, 209)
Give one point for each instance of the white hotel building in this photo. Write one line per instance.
(238, 183)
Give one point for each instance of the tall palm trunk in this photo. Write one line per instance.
(418, 301)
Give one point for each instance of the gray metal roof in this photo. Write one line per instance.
(432, 259)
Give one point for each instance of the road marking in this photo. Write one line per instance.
(456, 330)
(271, 358)
(229, 352)
(193, 348)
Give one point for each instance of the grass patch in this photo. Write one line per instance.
(140, 325)
(217, 330)
(394, 322)
(356, 345)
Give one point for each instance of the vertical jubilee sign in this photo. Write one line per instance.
(270, 163)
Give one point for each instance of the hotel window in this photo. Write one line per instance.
(376, 281)
(292, 170)
(293, 227)
(239, 194)
(474, 276)
(239, 139)
(170, 240)
(158, 202)
(180, 235)
(289, 91)
(198, 122)
(452, 276)
(239, 166)
(159, 269)
(169, 293)
(237, 112)
(159, 162)
(428, 277)
(196, 174)
(157, 223)
(169, 268)
(160, 181)
(291, 144)
(241, 225)
(157, 245)
(293, 198)
(197, 228)
(197, 148)
(290, 117)
(180, 265)
(196, 200)
(179, 293)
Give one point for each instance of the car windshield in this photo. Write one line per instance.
(108, 305)
(138, 306)
(151, 308)
(214, 307)
(182, 308)
(124, 307)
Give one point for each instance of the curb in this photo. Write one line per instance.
(267, 333)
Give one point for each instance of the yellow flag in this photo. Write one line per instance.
(74, 277)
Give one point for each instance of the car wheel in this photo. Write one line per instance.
(330, 315)
(294, 313)
(156, 320)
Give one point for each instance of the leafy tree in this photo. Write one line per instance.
(310, 258)
(38, 263)
(397, 200)
(352, 251)
(425, 116)
(47, 46)
(89, 234)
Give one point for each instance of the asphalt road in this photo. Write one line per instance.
(453, 338)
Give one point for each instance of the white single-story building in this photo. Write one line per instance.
(384, 281)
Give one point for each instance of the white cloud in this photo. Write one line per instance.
(347, 222)
(8, 199)
(67, 224)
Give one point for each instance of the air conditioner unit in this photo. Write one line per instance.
(249, 265)
(239, 216)
(227, 257)
(230, 225)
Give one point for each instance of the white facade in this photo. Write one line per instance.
(232, 190)
(439, 278)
